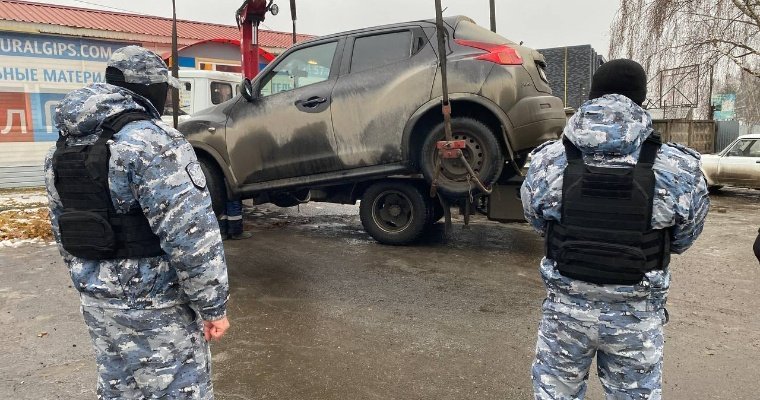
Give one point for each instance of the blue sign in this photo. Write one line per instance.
(43, 46)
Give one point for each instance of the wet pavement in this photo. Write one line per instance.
(321, 311)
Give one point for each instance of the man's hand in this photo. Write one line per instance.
(214, 330)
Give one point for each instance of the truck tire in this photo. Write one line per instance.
(215, 185)
(395, 212)
(483, 152)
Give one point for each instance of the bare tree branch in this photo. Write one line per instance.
(720, 36)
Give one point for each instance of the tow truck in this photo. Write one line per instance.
(498, 200)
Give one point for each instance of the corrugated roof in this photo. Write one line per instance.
(75, 17)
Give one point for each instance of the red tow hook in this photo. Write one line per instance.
(450, 148)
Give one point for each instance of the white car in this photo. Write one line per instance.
(737, 165)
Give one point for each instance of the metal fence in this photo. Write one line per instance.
(726, 132)
(16, 176)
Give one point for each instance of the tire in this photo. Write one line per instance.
(437, 213)
(483, 152)
(215, 185)
(395, 212)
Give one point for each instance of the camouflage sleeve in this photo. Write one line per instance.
(528, 195)
(539, 193)
(688, 227)
(172, 192)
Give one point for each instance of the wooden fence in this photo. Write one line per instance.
(699, 135)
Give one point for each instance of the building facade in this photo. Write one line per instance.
(570, 70)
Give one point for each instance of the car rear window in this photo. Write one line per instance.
(467, 30)
(378, 50)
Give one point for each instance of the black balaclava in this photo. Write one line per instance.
(155, 92)
(621, 76)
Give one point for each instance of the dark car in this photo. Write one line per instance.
(356, 116)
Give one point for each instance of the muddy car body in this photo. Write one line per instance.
(331, 117)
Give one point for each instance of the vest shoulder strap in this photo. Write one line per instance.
(113, 124)
(572, 152)
(649, 150)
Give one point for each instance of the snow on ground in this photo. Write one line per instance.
(24, 218)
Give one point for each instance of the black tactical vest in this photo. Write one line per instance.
(89, 224)
(605, 236)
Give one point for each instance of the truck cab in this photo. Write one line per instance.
(200, 90)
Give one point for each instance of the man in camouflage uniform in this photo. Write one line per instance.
(620, 324)
(149, 318)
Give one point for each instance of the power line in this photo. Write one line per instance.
(105, 6)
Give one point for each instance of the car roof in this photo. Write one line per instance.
(218, 75)
(450, 21)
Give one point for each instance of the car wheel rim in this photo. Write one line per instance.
(474, 153)
(392, 211)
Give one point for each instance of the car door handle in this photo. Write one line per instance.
(311, 102)
(212, 129)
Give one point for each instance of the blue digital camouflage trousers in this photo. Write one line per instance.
(231, 222)
(626, 338)
(150, 354)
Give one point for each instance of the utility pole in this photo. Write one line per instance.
(493, 15)
(293, 17)
(175, 67)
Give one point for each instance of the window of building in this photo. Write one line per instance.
(378, 50)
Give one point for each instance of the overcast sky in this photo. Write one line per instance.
(539, 23)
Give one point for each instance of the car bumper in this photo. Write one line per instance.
(535, 120)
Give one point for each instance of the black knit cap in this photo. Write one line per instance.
(621, 76)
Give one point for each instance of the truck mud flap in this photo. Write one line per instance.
(504, 204)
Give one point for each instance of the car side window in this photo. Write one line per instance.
(379, 50)
(754, 149)
(301, 68)
(744, 148)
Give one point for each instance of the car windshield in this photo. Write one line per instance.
(745, 148)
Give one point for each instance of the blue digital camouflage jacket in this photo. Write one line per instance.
(609, 131)
(151, 165)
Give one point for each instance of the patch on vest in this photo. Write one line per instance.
(196, 174)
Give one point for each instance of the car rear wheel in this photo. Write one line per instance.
(482, 152)
(395, 212)
(215, 185)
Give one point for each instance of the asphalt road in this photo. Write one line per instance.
(320, 311)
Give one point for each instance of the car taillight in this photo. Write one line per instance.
(496, 53)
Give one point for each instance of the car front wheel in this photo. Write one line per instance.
(215, 185)
(395, 212)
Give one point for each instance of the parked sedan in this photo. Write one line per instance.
(737, 165)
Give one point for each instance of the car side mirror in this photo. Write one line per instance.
(247, 90)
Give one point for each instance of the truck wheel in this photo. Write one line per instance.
(395, 212)
(215, 185)
(438, 212)
(482, 152)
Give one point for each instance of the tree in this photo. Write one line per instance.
(721, 37)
